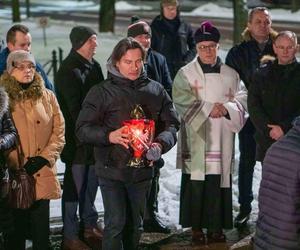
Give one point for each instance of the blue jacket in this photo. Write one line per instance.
(157, 69)
(3, 57)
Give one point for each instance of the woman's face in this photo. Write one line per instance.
(23, 72)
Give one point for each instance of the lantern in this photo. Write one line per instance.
(141, 134)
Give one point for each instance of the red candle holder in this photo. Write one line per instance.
(141, 134)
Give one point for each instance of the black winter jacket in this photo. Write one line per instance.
(105, 108)
(74, 79)
(8, 133)
(278, 223)
(177, 45)
(7, 141)
(245, 58)
(273, 98)
(157, 69)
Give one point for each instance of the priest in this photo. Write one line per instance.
(211, 102)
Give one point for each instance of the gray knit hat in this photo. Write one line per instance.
(17, 57)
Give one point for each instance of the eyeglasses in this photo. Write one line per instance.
(208, 47)
(23, 67)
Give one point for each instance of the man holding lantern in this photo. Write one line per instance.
(126, 95)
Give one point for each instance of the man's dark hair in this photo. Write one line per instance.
(11, 33)
(123, 46)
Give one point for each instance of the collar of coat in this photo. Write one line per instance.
(247, 35)
(16, 93)
(82, 60)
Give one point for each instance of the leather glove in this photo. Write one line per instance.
(34, 164)
(154, 152)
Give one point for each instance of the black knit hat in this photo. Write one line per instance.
(207, 32)
(138, 28)
(79, 35)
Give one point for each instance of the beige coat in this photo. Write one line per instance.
(41, 129)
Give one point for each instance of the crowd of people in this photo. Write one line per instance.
(165, 74)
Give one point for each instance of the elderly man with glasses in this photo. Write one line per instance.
(211, 101)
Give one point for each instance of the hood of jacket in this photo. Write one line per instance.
(16, 93)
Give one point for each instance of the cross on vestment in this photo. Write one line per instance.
(196, 87)
(230, 95)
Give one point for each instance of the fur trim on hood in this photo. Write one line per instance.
(266, 59)
(3, 102)
(247, 36)
(16, 93)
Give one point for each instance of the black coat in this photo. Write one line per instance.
(278, 223)
(245, 58)
(74, 79)
(7, 141)
(157, 69)
(174, 39)
(105, 108)
(273, 98)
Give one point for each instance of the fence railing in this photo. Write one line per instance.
(53, 64)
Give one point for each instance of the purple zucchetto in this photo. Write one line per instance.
(207, 32)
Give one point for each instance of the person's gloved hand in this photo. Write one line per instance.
(154, 152)
(34, 164)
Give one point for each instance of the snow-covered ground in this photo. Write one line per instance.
(57, 36)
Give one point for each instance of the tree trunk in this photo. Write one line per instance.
(28, 8)
(16, 17)
(239, 20)
(295, 5)
(107, 16)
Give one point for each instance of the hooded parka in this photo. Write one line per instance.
(110, 103)
(40, 126)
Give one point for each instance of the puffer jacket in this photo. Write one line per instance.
(7, 142)
(7, 129)
(108, 105)
(177, 45)
(40, 126)
(278, 223)
(273, 98)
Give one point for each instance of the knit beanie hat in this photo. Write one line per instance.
(169, 2)
(79, 35)
(16, 57)
(138, 28)
(207, 32)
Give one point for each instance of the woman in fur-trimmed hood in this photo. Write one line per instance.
(40, 127)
